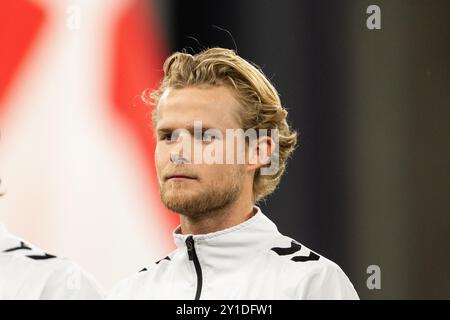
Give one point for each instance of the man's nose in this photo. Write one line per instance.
(181, 152)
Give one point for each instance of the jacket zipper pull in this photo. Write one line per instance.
(190, 247)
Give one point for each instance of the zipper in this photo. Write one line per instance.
(198, 269)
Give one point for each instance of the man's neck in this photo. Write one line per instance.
(217, 220)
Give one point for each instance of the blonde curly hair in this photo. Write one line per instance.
(261, 105)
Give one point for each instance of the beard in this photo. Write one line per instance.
(211, 197)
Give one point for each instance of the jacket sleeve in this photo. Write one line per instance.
(69, 282)
(327, 282)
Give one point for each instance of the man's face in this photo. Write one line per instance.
(189, 188)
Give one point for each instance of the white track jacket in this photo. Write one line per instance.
(27, 272)
(249, 261)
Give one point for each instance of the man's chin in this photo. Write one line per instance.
(178, 201)
(196, 201)
(182, 208)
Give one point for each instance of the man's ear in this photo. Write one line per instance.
(260, 152)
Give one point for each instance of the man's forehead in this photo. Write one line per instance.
(214, 106)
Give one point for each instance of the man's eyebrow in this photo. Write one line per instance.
(164, 129)
(189, 128)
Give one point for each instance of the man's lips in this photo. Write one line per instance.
(180, 177)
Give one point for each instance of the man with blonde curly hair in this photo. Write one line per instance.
(222, 145)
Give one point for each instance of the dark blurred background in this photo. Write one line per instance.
(369, 183)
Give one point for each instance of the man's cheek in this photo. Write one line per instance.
(160, 155)
(159, 165)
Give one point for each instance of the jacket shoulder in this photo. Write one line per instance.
(48, 276)
(136, 283)
(313, 275)
(15, 246)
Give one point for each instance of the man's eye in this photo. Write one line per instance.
(170, 137)
(207, 136)
(166, 137)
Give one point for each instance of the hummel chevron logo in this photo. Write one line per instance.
(286, 251)
(45, 256)
(295, 247)
(23, 246)
(312, 257)
(166, 258)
